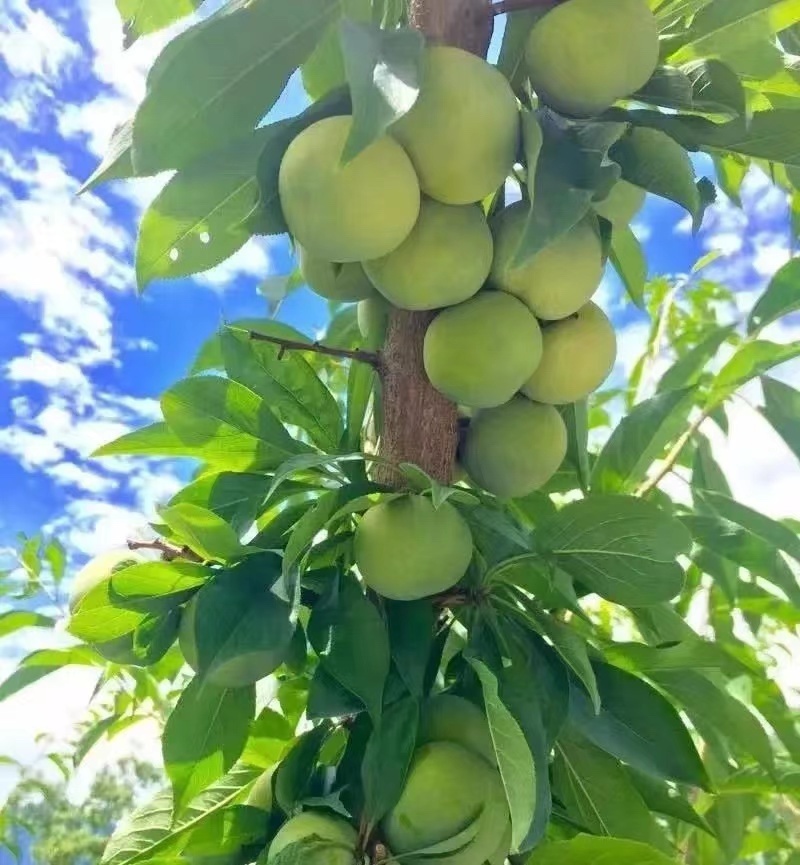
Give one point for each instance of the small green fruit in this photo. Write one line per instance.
(343, 283)
(407, 549)
(559, 279)
(621, 204)
(583, 56)
(578, 356)
(514, 449)
(351, 212)
(482, 351)
(444, 260)
(310, 824)
(462, 134)
(448, 718)
(445, 787)
(260, 795)
(98, 570)
(373, 320)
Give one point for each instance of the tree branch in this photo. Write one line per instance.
(672, 457)
(168, 552)
(504, 6)
(370, 357)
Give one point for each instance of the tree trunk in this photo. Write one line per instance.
(420, 425)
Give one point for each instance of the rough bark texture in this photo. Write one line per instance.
(420, 426)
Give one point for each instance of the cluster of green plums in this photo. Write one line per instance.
(453, 791)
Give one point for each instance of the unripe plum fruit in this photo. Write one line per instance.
(578, 356)
(621, 204)
(98, 570)
(559, 279)
(449, 718)
(463, 132)
(583, 56)
(350, 212)
(407, 549)
(482, 351)
(444, 260)
(373, 320)
(514, 449)
(445, 787)
(343, 283)
(310, 824)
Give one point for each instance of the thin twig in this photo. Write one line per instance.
(673, 456)
(503, 6)
(168, 552)
(370, 357)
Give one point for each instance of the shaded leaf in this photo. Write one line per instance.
(593, 850)
(411, 631)
(630, 263)
(16, 620)
(750, 360)
(782, 410)
(781, 297)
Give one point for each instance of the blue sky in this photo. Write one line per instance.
(83, 359)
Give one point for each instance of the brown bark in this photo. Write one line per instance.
(420, 426)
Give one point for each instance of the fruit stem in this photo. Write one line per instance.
(168, 552)
(370, 357)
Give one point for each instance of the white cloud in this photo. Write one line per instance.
(31, 43)
(44, 369)
(72, 475)
(252, 260)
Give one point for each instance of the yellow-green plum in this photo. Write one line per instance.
(342, 836)
(448, 718)
(514, 449)
(260, 795)
(556, 281)
(407, 549)
(362, 209)
(482, 351)
(98, 570)
(583, 56)
(373, 320)
(444, 261)
(622, 203)
(186, 636)
(503, 851)
(344, 283)
(578, 356)
(446, 786)
(463, 132)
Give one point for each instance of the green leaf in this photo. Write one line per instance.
(715, 713)
(511, 61)
(781, 297)
(16, 620)
(663, 799)
(210, 355)
(104, 615)
(287, 383)
(242, 630)
(739, 544)
(295, 771)
(629, 261)
(638, 726)
(204, 94)
(39, 664)
(157, 587)
(654, 161)
(227, 832)
(639, 439)
(688, 369)
(141, 17)
(199, 218)
(149, 832)
(726, 26)
(598, 794)
(236, 497)
(388, 757)
(361, 379)
(576, 419)
(411, 631)
(157, 439)
(117, 164)
(268, 740)
(782, 410)
(383, 69)
(514, 758)
(340, 629)
(204, 735)
(621, 547)
(203, 532)
(230, 425)
(593, 850)
(750, 360)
